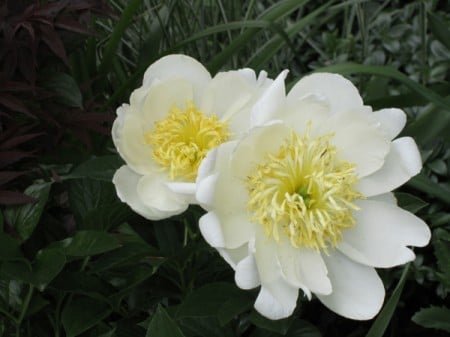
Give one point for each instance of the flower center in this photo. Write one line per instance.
(183, 138)
(305, 191)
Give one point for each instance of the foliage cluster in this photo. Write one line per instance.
(75, 261)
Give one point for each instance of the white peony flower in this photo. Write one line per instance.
(172, 121)
(304, 201)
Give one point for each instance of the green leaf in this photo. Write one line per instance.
(204, 326)
(167, 237)
(87, 243)
(162, 325)
(67, 91)
(9, 247)
(89, 200)
(280, 326)
(442, 253)
(48, 264)
(301, 328)
(233, 307)
(424, 184)
(433, 317)
(82, 313)
(410, 202)
(99, 168)
(25, 218)
(440, 29)
(384, 317)
(207, 300)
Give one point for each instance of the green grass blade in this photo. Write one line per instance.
(271, 47)
(114, 40)
(422, 183)
(274, 13)
(384, 317)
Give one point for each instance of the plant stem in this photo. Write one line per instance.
(25, 305)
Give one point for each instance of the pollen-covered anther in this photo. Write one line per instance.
(181, 140)
(305, 191)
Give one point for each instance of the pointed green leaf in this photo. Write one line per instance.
(162, 325)
(82, 313)
(87, 243)
(25, 218)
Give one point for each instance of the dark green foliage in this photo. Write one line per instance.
(75, 261)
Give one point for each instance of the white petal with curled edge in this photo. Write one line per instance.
(382, 233)
(206, 190)
(235, 255)
(246, 275)
(211, 229)
(358, 291)
(178, 67)
(276, 300)
(187, 190)
(402, 163)
(154, 192)
(341, 94)
(303, 267)
(392, 121)
(126, 180)
(270, 102)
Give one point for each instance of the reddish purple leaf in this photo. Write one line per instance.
(53, 41)
(10, 198)
(72, 25)
(7, 176)
(13, 142)
(10, 157)
(14, 104)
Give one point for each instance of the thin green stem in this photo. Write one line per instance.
(25, 305)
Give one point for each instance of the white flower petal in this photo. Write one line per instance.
(402, 163)
(303, 267)
(246, 275)
(187, 190)
(277, 300)
(211, 229)
(235, 255)
(226, 96)
(341, 94)
(154, 192)
(270, 102)
(126, 181)
(385, 197)
(392, 121)
(161, 98)
(358, 291)
(382, 233)
(206, 190)
(359, 140)
(253, 149)
(178, 67)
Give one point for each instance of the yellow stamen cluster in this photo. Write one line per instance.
(183, 138)
(305, 191)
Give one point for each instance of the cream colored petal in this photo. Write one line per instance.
(246, 275)
(126, 181)
(271, 101)
(161, 98)
(252, 150)
(303, 267)
(382, 233)
(233, 256)
(392, 121)
(128, 136)
(226, 96)
(358, 291)
(401, 164)
(154, 192)
(359, 140)
(340, 93)
(178, 67)
(277, 298)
